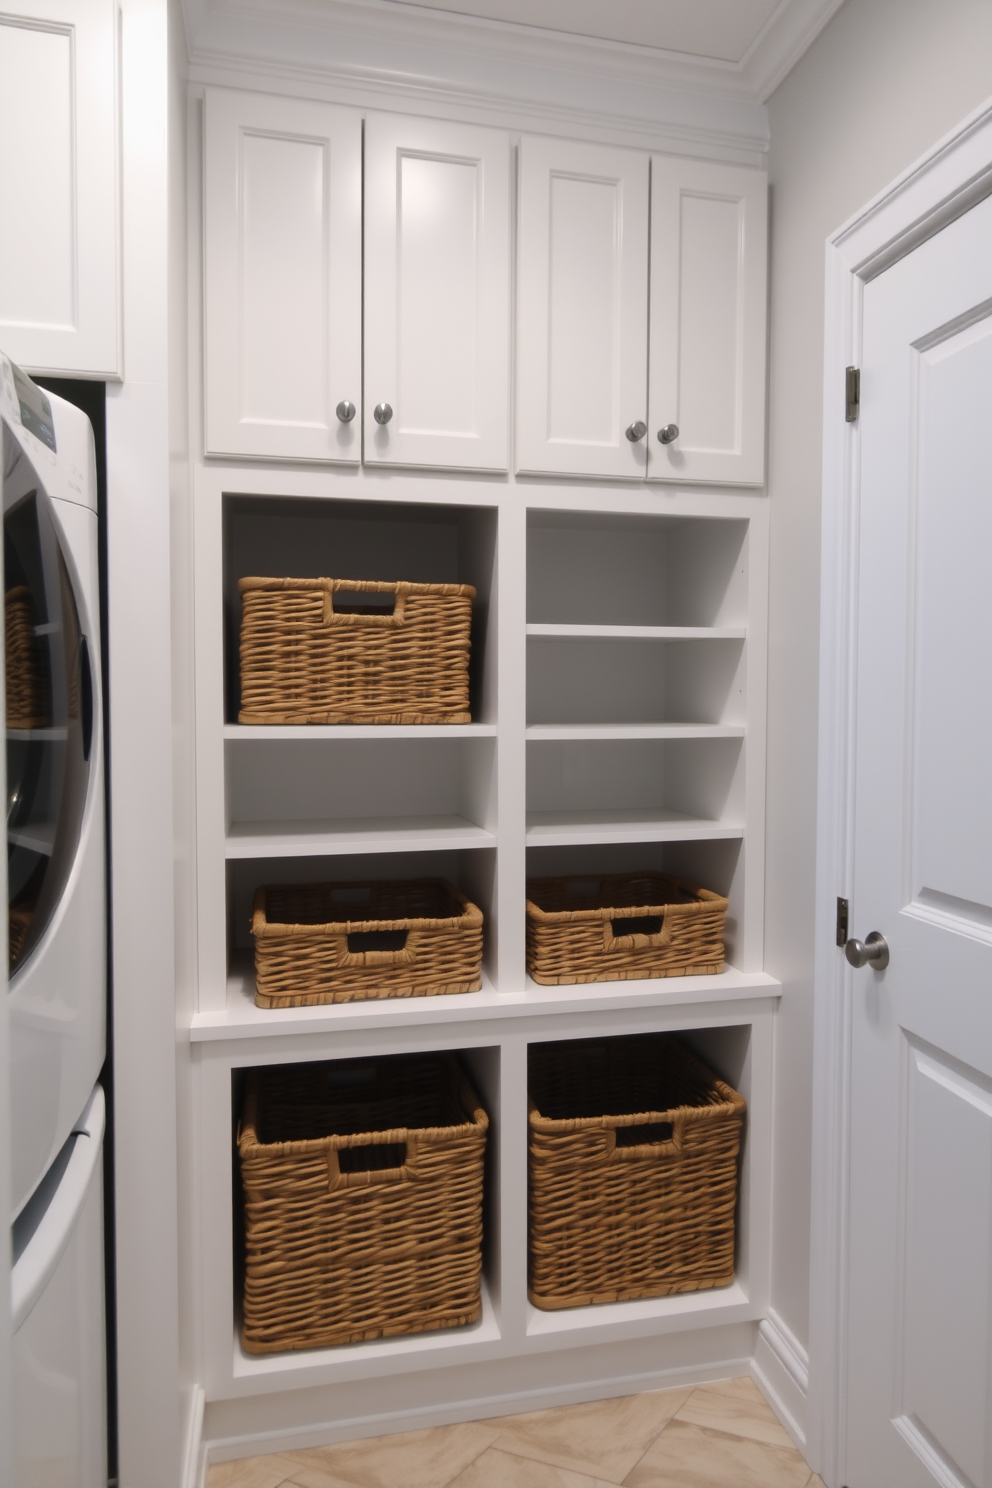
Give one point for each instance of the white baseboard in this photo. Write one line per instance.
(194, 1455)
(780, 1369)
(263, 1443)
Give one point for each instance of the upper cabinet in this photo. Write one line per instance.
(707, 358)
(283, 277)
(437, 293)
(582, 309)
(58, 206)
(605, 388)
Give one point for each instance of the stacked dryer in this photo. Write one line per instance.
(56, 993)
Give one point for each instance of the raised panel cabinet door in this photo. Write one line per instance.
(708, 272)
(437, 293)
(582, 309)
(282, 277)
(58, 198)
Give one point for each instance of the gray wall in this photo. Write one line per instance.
(882, 83)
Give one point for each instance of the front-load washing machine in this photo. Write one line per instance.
(55, 790)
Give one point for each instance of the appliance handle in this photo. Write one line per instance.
(37, 1264)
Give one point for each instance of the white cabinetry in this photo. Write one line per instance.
(582, 309)
(708, 249)
(437, 293)
(583, 363)
(58, 203)
(283, 277)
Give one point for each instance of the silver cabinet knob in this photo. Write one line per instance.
(872, 951)
(345, 411)
(636, 431)
(668, 434)
(382, 413)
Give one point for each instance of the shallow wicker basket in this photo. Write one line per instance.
(362, 1201)
(622, 926)
(346, 942)
(633, 1171)
(312, 651)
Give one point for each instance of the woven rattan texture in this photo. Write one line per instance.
(302, 954)
(570, 934)
(336, 1255)
(609, 1223)
(303, 662)
(28, 703)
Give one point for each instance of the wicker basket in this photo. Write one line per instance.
(363, 1201)
(633, 1172)
(28, 703)
(346, 942)
(622, 927)
(309, 656)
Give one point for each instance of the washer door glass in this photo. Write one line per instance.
(49, 706)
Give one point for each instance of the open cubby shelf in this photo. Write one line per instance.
(617, 694)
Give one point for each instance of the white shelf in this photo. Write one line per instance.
(649, 1312)
(364, 834)
(550, 732)
(653, 824)
(39, 839)
(241, 1019)
(42, 735)
(278, 731)
(639, 632)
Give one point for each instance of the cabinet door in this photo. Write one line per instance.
(58, 201)
(582, 309)
(282, 277)
(437, 293)
(708, 270)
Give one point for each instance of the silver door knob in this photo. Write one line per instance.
(382, 413)
(668, 434)
(636, 431)
(873, 951)
(345, 411)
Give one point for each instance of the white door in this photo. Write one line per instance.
(582, 309)
(708, 278)
(58, 186)
(437, 293)
(282, 277)
(920, 1322)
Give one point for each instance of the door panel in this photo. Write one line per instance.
(708, 243)
(437, 293)
(283, 275)
(920, 1318)
(58, 207)
(582, 309)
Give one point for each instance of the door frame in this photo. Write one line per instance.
(951, 177)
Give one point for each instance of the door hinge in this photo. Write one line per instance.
(842, 922)
(852, 394)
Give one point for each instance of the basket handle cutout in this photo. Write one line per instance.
(363, 606)
(370, 1165)
(649, 1141)
(637, 932)
(378, 948)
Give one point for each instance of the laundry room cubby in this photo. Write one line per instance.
(382, 542)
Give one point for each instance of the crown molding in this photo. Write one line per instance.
(430, 61)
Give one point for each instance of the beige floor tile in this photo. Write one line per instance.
(604, 1438)
(686, 1456)
(414, 1459)
(250, 1472)
(496, 1469)
(816, 1482)
(737, 1407)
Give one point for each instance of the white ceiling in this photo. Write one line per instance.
(724, 30)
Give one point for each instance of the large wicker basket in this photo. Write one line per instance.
(363, 1201)
(345, 942)
(28, 703)
(622, 927)
(311, 654)
(633, 1172)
